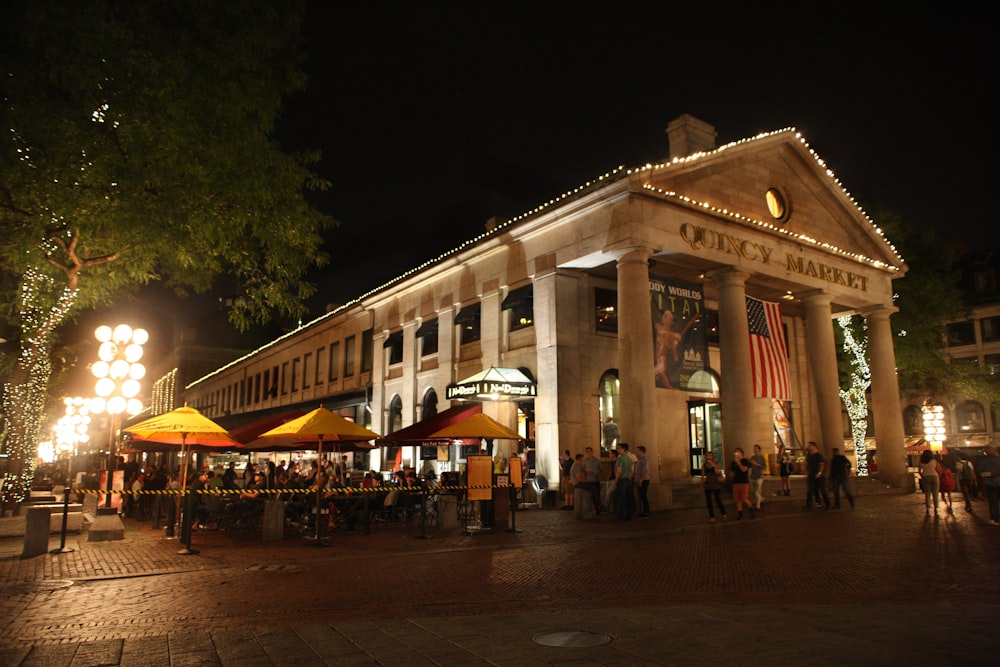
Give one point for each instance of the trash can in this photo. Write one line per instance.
(447, 512)
(274, 519)
(36, 531)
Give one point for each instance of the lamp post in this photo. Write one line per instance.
(118, 373)
(934, 429)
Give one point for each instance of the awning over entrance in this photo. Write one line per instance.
(421, 431)
(494, 384)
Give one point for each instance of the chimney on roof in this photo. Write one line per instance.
(688, 135)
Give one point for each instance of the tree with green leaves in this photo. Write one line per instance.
(140, 147)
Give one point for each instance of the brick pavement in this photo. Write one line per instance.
(880, 585)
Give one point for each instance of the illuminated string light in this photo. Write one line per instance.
(855, 398)
(603, 180)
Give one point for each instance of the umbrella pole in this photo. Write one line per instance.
(319, 459)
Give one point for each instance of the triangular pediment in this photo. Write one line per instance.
(733, 182)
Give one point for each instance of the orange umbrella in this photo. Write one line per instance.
(479, 426)
(321, 425)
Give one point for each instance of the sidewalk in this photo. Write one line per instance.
(881, 585)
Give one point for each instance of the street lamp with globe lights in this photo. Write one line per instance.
(71, 429)
(118, 373)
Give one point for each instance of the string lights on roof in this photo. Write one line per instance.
(613, 175)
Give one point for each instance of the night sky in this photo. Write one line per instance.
(433, 119)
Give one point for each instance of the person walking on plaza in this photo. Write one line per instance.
(930, 480)
(815, 471)
(757, 466)
(567, 481)
(966, 481)
(641, 476)
(989, 472)
(785, 470)
(739, 469)
(623, 483)
(947, 486)
(840, 476)
(711, 483)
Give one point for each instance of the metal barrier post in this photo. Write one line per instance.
(63, 549)
(187, 521)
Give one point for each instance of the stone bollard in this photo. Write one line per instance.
(274, 519)
(447, 512)
(36, 531)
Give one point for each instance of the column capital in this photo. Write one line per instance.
(729, 277)
(880, 312)
(631, 254)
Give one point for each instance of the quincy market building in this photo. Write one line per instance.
(623, 300)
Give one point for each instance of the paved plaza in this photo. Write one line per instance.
(879, 585)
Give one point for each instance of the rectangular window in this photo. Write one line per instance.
(256, 388)
(394, 345)
(606, 309)
(427, 334)
(284, 378)
(349, 356)
(468, 319)
(520, 303)
(333, 364)
(267, 385)
(295, 374)
(367, 350)
(306, 360)
(319, 364)
(961, 333)
(243, 392)
(990, 329)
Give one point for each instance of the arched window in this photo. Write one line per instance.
(610, 409)
(704, 382)
(970, 417)
(429, 406)
(395, 417)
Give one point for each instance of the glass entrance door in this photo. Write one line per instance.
(704, 433)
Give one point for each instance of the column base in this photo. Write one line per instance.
(903, 480)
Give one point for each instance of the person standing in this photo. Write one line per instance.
(739, 469)
(567, 481)
(815, 471)
(930, 480)
(623, 483)
(711, 483)
(840, 475)
(641, 476)
(785, 470)
(947, 486)
(966, 481)
(757, 465)
(591, 482)
(989, 472)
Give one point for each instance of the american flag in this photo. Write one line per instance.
(768, 358)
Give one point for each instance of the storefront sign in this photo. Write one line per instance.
(703, 238)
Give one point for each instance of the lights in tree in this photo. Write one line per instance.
(934, 427)
(855, 398)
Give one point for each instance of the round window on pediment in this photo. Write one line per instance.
(777, 204)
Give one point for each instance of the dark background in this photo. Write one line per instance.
(432, 118)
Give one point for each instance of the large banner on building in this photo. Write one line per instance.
(680, 348)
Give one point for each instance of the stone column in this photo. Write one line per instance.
(822, 349)
(558, 407)
(635, 350)
(886, 408)
(490, 324)
(411, 402)
(735, 376)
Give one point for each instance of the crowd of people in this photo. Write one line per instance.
(626, 485)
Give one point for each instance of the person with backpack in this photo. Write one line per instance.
(840, 474)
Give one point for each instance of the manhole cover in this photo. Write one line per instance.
(571, 638)
(273, 568)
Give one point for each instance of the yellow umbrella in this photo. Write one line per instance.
(480, 426)
(183, 426)
(321, 424)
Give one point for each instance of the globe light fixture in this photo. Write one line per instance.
(934, 427)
